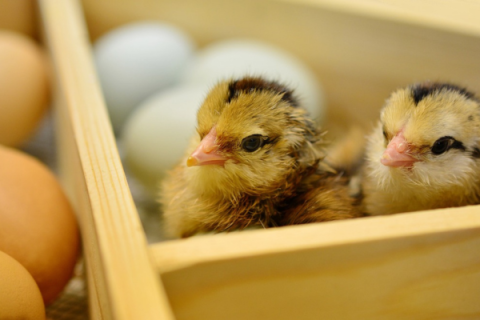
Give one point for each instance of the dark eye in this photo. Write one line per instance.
(253, 142)
(442, 145)
(385, 134)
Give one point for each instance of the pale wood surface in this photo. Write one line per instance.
(177, 254)
(122, 281)
(409, 266)
(360, 50)
(449, 15)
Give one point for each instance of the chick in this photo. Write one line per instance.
(256, 162)
(424, 153)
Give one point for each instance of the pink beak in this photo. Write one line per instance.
(397, 153)
(207, 152)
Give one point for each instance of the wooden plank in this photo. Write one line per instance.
(409, 266)
(95, 311)
(73, 182)
(122, 280)
(183, 253)
(461, 17)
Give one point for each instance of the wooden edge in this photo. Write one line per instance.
(384, 268)
(95, 311)
(118, 262)
(461, 17)
(178, 254)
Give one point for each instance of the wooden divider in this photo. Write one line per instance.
(423, 265)
(122, 282)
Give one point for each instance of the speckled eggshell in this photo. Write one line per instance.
(240, 57)
(136, 60)
(24, 87)
(20, 297)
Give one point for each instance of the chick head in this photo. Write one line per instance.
(428, 135)
(253, 137)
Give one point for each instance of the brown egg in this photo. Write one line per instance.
(38, 227)
(20, 297)
(24, 87)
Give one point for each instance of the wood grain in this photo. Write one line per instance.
(118, 264)
(408, 266)
(450, 15)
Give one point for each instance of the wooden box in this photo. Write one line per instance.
(423, 265)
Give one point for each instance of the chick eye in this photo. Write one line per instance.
(253, 142)
(442, 145)
(385, 134)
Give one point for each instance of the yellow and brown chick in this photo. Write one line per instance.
(256, 162)
(425, 152)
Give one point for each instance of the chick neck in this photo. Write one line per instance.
(235, 204)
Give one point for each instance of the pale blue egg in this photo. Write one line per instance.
(157, 133)
(136, 60)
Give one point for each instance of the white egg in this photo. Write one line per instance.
(156, 135)
(135, 61)
(240, 57)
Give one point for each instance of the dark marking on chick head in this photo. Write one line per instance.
(425, 89)
(446, 143)
(470, 118)
(257, 84)
(476, 153)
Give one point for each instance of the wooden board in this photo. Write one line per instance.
(449, 16)
(122, 281)
(408, 266)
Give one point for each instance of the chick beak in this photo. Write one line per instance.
(397, 153)
(207, 152)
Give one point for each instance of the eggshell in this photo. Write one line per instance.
(158, 132)
(20, 297)
(24, 87)
(241, 57)
(37, 224)
(135, 61)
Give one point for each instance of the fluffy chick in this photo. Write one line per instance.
(256, 162)
(424, 152)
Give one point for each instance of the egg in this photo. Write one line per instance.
(235, 58)
(38, 227)
(24, 87)
(158, 132)
(20, 297)
(135, 61)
